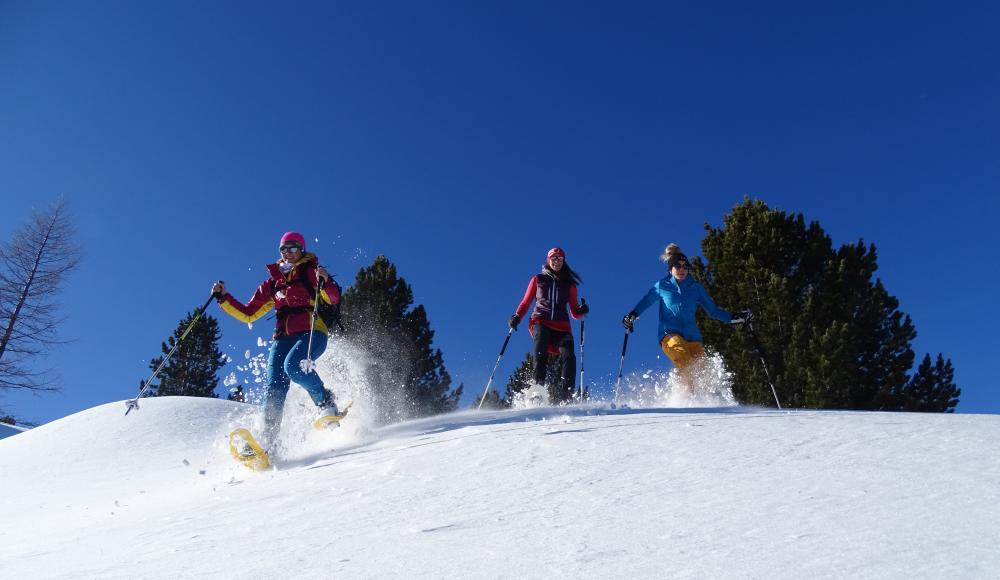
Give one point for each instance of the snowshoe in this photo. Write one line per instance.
(245, 449)
(332, 419)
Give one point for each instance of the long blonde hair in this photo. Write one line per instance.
(671, 250)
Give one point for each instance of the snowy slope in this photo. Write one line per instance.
(547, 493)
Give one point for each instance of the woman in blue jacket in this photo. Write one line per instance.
(679, 296)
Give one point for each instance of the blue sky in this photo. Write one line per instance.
(463, 140)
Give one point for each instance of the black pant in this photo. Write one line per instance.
(544, 336)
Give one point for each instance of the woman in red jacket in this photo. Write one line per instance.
(291, 291)
(552, 290)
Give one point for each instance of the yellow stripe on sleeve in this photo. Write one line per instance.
(238, 314)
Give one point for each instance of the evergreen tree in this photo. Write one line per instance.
(520, 379)
(833, 336)
(192, 370)
(524, 375)
(492, 401)
(407, 372)
(932, 388)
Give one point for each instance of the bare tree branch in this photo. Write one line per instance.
(33, 266)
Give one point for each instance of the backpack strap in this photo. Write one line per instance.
(314, 295)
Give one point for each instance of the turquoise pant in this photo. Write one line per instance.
(283, 368)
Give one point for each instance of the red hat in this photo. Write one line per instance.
(556, 252)
(293, 238)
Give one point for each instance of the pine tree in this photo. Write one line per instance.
(192, 370)
(524, 375)
(520, 379)
(408, 374)
(932, 388)
(832, 334)
(492, 401)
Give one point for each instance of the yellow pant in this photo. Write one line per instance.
(680, 351)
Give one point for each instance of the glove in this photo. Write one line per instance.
(219, 291)
(629, 321)
(741, 317)
(321, 275)
(514, 321)
(584, 309)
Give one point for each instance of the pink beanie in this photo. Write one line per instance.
(294, 238)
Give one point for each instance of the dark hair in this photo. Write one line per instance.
(566, 274)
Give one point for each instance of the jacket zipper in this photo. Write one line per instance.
(553, 293)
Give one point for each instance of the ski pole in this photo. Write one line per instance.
(581, 358)
(134, 403)
(307, 364)
(495, 367)
(760, 352)
(621, 366)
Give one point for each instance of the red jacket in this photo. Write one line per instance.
(551, 297)
(291, 295)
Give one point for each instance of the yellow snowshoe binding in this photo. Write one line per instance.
(332, 421)
(245, 449)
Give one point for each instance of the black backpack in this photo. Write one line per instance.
(329, 313)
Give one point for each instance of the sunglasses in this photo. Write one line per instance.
(286, 249)
(682, 265)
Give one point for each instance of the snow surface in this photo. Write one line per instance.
(552, 492)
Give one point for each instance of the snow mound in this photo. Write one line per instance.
(170, 442)
(554, 492)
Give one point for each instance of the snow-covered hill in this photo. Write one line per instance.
(549, 493)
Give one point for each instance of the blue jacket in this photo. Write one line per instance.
(678, 303)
